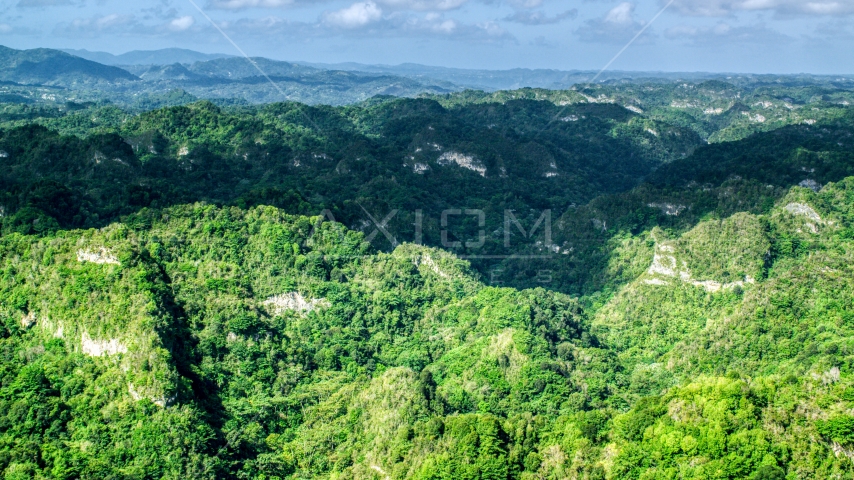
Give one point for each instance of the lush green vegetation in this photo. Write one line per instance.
(176, 301)
(393, 154)
(221, 342)
(378, 157)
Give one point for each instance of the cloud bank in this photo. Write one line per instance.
(540, 18)
(720, 8)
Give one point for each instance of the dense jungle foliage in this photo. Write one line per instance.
(206, 342)
(209, 291)
(597, 170)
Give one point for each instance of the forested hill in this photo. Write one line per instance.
(600, 170)
(52, 67)
(404, 155)
(205, 342)
(506, 286)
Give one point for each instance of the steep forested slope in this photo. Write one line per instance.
(405, 155)
(221, 342)
(244, 336)
(414, 155)
(176, 301)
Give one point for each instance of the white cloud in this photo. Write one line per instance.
(104, 23)
(123, 25)
(839, 29)
(415, 5)
(423, 5)
(182, 23)
(355, 16)
(723, 33)
(433, 23)
(617, 26)
(526, 3)
(718, 8)
(437, 25)
(240, 4)
(7, 29)
(99, 25)
(540, 18)
(43, 3)
(622, 14)
(363, 20)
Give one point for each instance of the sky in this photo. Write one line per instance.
(739, 36)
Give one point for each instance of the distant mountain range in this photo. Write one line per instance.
(154, 74)
(53, 67)
(164, 56)
(491, 80)
(147, 77)
(488, 80)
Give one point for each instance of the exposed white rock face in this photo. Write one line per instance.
(799, 209)
(839, 450)
(159, 400)
(664, 264)
(29, 320)
(682, 104)
(652, 132)
(829, 377)
(712, 286)
(755, 118)
(183, 152)
(634, 109)
(430, 263)
(713, 111)
(133, 393)
(4, 154)
(810, 122)
(379, 470)
(668, 209)
(803, 210)
(101, 256)
(293, 301)
(464, 161)
(571, 118)
(420, 168)
(99, 348)
(811, 184)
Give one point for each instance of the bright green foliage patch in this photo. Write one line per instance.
(199, 341)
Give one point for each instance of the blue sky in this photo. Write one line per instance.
(759, 36)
